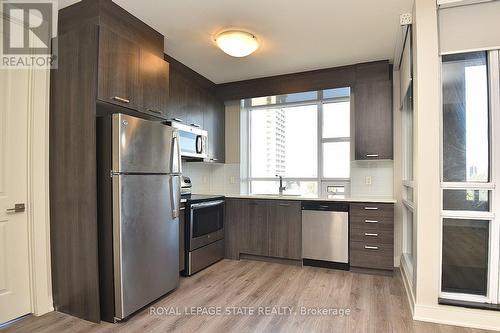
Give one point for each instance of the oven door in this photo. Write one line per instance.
(206, 223)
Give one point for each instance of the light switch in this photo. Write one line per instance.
(368, 180)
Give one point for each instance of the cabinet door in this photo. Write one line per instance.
(178, 96)
(285, 229)
(194, 105)
(373, 120)
(118, 76)
(234, 219)
(214, 121)
(254, 234)
(154, 82)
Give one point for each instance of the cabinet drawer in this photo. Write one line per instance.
(367, 235)
(372, 222)
(372, 255)
(372, 210)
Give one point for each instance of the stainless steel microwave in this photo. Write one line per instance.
(193, 140)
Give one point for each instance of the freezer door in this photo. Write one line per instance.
(145, 241)
(143, 146)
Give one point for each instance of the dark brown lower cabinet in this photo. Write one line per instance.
(268, 228)
(372, 236)
(254, 228)
(285, 229)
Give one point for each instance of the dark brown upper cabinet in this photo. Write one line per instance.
(118, 75)
(154, 83)
(130, 76)
(214, 123)
(373, 120)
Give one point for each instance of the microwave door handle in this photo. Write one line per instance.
(199, 144)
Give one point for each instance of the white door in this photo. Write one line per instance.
(14, 256)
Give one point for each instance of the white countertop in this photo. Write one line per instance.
(371, 199)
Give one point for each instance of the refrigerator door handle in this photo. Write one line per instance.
(175, 195)
(175, 159)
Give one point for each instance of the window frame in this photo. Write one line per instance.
(319, 179)
(493, 289)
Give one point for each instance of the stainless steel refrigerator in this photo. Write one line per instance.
(139, 169)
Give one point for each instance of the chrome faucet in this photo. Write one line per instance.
(282, 188)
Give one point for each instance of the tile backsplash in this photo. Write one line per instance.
(216, 178)
(213, 178)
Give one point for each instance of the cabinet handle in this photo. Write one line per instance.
(182, 208)
(177, 120)
(371, 208)
(371, 221)
(155, 111)
(369, 234)
(371, 247)
(195, 125)
(284, 205)
(371, 155)
(322, 206)
(121, 99)
(214, 159)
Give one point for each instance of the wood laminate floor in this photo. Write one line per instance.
(376, 304)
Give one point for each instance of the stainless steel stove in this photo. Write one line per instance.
(204, 230)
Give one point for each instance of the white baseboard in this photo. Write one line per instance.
(458, 316)
(408, 287)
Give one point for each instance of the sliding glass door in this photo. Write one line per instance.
(470, 163)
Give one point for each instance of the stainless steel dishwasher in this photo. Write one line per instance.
(325, 234)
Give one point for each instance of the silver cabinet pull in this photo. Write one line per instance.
(18, 208)
(370, 234)
(367, 247)
(371, 155)
(121, 99)
(177, 120)
(371, 221)
(155, 111)
(371, 208)
(195, 125)
(284, 205)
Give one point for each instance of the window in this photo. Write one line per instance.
(303, 137)
(470, 233)
(407, 190)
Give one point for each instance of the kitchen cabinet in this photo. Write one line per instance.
(154, 83)
(130, 76)
(254, 228)
(285, 229)
(373, 120)
(372, 236)
(118, 74)
(214, 123)
(263, 228)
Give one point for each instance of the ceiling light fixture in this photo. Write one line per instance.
(237, 43)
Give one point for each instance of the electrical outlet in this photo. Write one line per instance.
(368, 180)
(232, 180)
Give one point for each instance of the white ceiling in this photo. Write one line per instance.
(294, 35)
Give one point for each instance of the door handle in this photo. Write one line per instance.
(18, 208)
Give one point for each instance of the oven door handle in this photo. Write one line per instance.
(206, 204)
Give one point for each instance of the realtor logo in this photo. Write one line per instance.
(27, 33)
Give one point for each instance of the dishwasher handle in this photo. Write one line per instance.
(326, 206)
